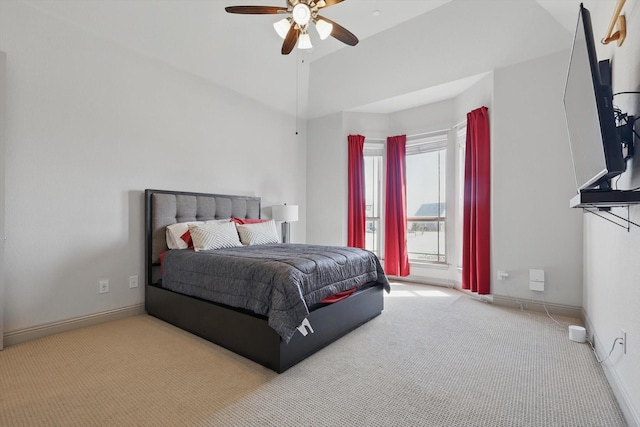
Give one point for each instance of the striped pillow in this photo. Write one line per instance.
(214, 235)
(258, 234)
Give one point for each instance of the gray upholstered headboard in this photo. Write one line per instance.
(164, 208)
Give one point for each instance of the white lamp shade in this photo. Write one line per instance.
(286, 213)
(282, 27)
(304, 42)
(324, 29)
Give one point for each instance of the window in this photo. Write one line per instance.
(461, 139)
(373, 155)
(426, 198)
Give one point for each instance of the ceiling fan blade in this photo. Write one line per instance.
(341, 33)
(255, 10)
(291, 40)
(327, 3)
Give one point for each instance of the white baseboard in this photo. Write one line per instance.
(630, 412)
(28, 334)
(424, 281)
(527, 304)
(520, 303)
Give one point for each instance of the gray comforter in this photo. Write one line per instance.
(279, 281)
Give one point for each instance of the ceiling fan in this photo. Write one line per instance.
(295, 27)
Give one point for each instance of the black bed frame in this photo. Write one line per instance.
(241, 331)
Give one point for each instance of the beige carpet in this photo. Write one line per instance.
(435, 357)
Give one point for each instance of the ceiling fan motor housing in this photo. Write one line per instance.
(301, 14)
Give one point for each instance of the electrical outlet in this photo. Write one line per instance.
(536, 286)
(536, 280)
(133, 281)
(103, 286)
(623, 334)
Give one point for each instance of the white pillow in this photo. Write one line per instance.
(214, 235)
(174, 234)
(258, 234)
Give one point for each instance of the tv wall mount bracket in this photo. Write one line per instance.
(601, 211)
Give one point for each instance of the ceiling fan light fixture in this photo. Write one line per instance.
(301, 14)
(294, 28)
(304, 41)
(282, 27)
(324, 28)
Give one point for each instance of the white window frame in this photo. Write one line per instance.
(453, 140)
(461, 147)
(376, 148)
(431, 142)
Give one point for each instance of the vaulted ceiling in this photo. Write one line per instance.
(242, 52)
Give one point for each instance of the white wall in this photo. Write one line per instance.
(611, 269)
(326, 177)
(441, 116)
(89, 126)
(3, 61)
(441, 46)
(476, 96)
(327, 164)
(533, 226)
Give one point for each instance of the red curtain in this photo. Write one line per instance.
(396, 256)
(476, 261)
(356, 227)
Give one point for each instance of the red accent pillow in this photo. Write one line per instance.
(187, 239)
(248, 220)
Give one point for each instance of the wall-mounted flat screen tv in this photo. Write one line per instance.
(596, 149)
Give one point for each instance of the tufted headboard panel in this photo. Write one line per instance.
(164, 208)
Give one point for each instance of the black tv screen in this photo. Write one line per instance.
(596, 149)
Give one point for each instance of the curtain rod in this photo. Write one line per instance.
(414, 136)
(423, 134)
(460, 124)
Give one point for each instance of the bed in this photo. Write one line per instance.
(269, 335)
